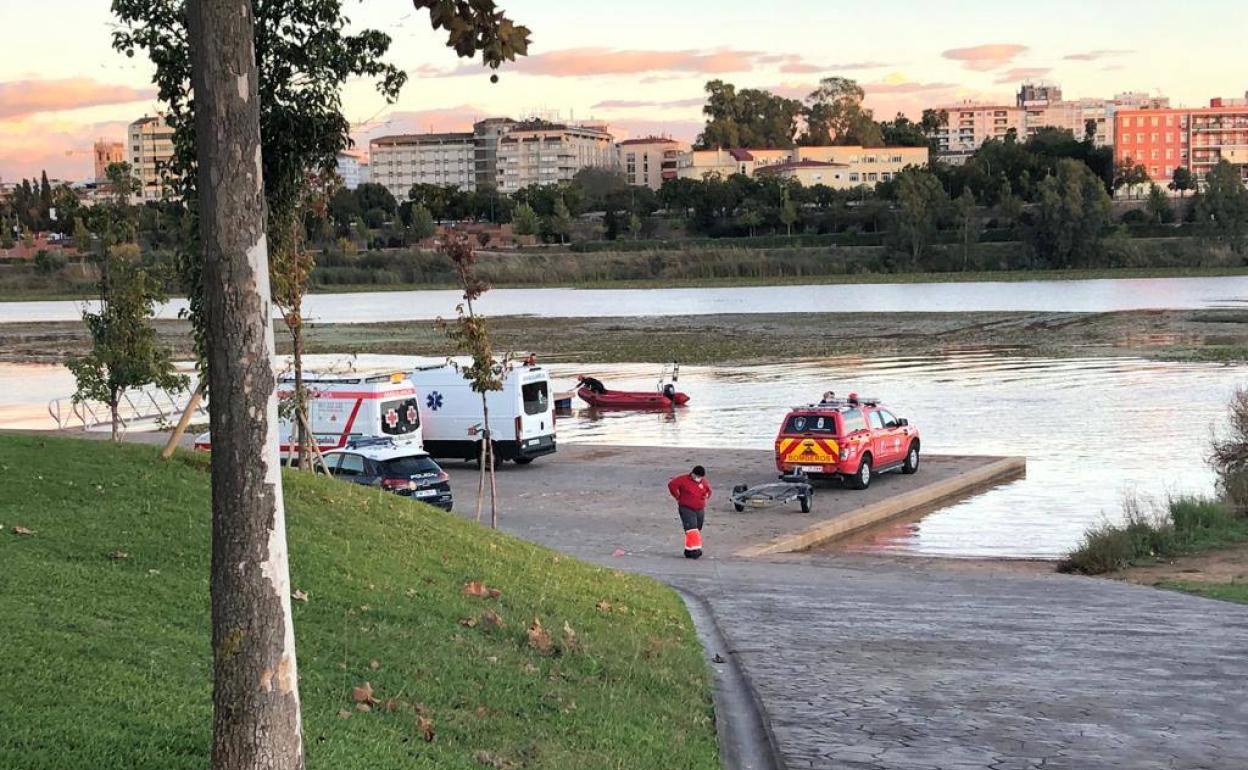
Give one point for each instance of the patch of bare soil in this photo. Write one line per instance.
(1225, 565)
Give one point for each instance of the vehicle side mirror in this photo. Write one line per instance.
(902, 422)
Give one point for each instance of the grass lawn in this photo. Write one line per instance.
(1231, 592)
(105, 640)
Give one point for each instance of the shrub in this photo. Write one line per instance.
(1230, 454)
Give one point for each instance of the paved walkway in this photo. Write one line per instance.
(915, 664)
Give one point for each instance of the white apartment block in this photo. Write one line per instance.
(353, 170)
(838, 167)
(1074, 115)
(540, 152)
(149, 148)
(970, 125)
(446, 159)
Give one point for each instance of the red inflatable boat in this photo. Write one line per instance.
(626, 399)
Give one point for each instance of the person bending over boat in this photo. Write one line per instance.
(594, 385)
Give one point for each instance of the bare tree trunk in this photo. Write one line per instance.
(493, 463)
(115, 412)
(256, 719)
(294, 322)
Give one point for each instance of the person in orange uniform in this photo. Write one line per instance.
(691, 491)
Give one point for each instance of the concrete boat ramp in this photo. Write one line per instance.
(592, 500)
(883, 663)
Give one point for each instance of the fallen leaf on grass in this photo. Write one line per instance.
(490, 759)
(390, 705)
(23, 531)
(363, 693)
(425, 725)
(374, 664)
(479, 589)
(529, 668)
(299, 596)
(539, 639)
(492, 619)
(344, 714)
(570, 639)
(118, 555)
(422, 709)
(468, 622)
(603, 606)
(363, 707)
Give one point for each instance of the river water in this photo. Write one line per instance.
(1093, 430)
(1031, 296)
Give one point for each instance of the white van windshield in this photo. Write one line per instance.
(399, 417)
(536, 397)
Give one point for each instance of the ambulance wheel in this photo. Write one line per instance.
(861, 479)
(911, 465)
(523, 460)
(806, 501)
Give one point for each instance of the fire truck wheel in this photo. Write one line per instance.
(911, 465)
(861, 479)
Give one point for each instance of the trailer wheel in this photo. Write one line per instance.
(738, 489)
(806, 501)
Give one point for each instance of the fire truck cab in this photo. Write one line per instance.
(852, 440)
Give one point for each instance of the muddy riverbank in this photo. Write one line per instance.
(1172, 335)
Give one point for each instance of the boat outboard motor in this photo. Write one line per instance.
(669, 390)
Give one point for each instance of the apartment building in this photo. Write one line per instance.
(650, 161)
(1197, 138)
(838, 167)
(1044, 107)
(106, 154)
(398, 162)
(969, 125)
(486, 134)
(149, 148)
(353, 170)
(541, 152)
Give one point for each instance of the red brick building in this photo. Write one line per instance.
(1164, 139)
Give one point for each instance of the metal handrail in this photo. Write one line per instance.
(136, 405)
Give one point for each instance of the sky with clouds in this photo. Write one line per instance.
(641, 66)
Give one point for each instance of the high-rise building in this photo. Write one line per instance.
(150, 148)
(106, 154)
(445, 159)
(541, 152)
(650, 161)
(1198, 139)
(1079, 115)
(969, 125)
(486, 134)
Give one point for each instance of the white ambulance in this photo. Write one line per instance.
(522, 414)
(348, 407)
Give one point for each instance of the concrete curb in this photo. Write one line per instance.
(836, 528)
(745, 738)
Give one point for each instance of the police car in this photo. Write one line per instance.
(852, 439)
(393, 466)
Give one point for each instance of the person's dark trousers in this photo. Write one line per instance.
(691, 519)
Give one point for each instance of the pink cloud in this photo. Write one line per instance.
(905, 87)
(593, 62)
(798, 66)
(983, 58)
(686, 130)
(1100, 53)
(1022, 73)
(19, 98)
(631, 104)
(63, 149)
